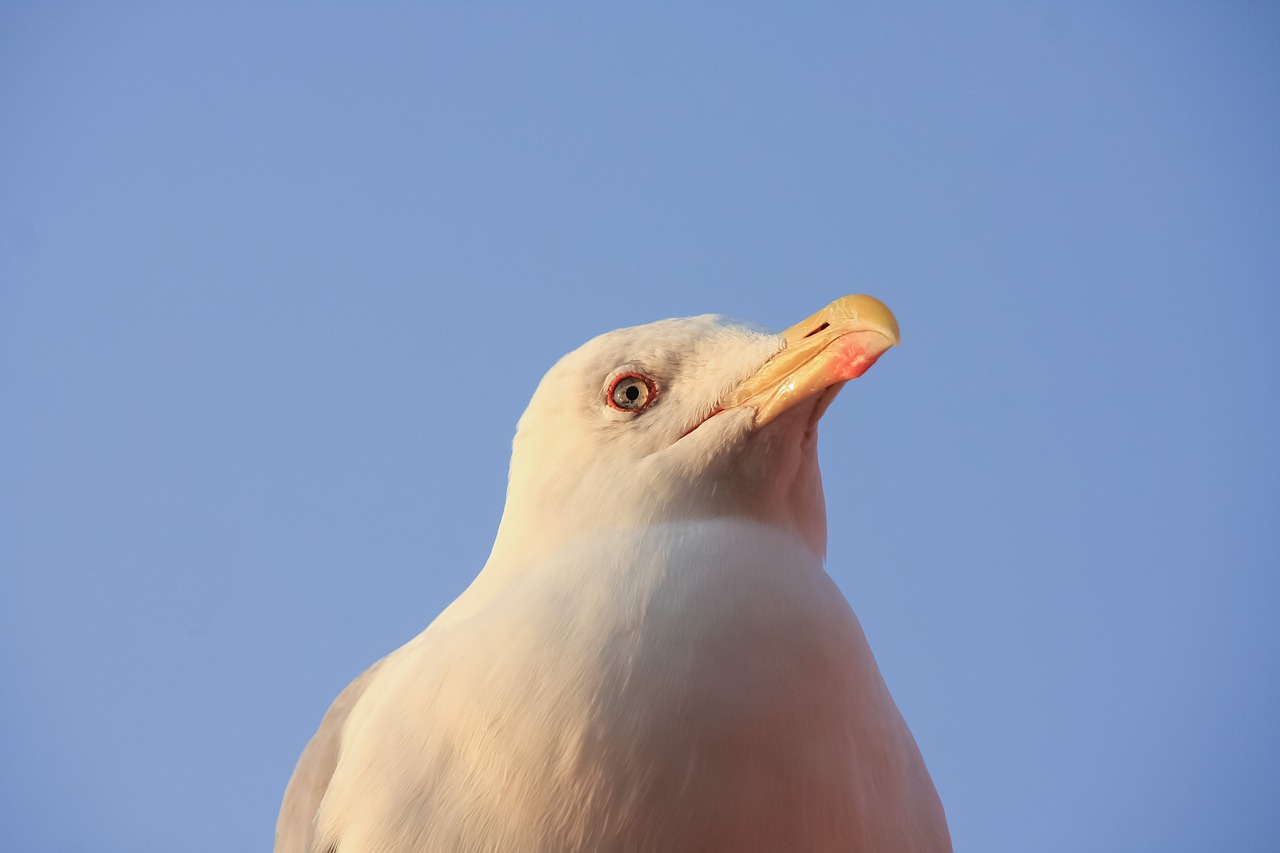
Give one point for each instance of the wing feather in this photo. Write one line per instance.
(295, 829)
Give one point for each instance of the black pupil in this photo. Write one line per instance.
(632, 392)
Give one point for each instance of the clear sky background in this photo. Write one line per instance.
(276, 281)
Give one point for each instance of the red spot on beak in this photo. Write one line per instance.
(856, 353)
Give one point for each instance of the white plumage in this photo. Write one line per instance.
(653, 658)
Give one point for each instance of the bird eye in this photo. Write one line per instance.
(630, 392)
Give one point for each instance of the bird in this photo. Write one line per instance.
(653, 657)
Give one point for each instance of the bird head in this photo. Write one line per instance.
(686, 419)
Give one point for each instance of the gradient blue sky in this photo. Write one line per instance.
(276, 281)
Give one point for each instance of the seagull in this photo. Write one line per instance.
(653, 658)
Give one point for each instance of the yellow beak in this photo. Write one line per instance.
(838, 343)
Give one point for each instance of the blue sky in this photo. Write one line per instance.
(277, 280)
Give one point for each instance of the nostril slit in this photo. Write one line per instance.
(819, 329)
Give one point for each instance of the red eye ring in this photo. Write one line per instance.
(630, 392)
